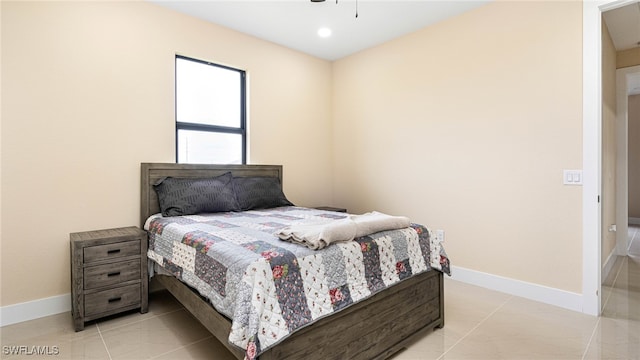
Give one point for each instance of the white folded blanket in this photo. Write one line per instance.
(318, 234)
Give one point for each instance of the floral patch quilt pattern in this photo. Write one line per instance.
(271, 287)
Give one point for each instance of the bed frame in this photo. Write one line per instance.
(375, 328)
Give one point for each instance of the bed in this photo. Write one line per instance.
(375, 327)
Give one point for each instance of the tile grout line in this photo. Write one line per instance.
(181, 347)
(146, 318)
(103, 342)
(633, 238)
(131, 323)
(593, 334)
(475, 327)
(613, 284)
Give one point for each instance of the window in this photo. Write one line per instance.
(210, 113)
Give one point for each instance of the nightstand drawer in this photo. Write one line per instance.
(111, 251)
(110, 274)
(108, 300)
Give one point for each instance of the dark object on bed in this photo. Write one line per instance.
(259, 192)
(192, 196)
(402, 313)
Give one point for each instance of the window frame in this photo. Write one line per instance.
(242, 130)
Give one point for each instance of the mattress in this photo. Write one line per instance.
(270, 288)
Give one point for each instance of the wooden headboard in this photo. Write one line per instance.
(150, 173)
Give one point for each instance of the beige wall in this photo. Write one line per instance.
(463, 126)
(634, 156)
(466, 126)
(609, 143)
(628, 58)
(88, 94)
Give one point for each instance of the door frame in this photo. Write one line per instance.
(592, 150)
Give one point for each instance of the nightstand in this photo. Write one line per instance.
(108, 273)
(331, 208)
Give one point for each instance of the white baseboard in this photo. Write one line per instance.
(634, 221)
(12, 314)
(35, 309)
(548, 295)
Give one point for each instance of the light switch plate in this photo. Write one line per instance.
(572, 177)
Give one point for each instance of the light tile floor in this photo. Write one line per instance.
(479, 324)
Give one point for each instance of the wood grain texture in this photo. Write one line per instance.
(104, 302)
(107, 252)
(375, 328)
(151, 173)
(109, 273)
(372, 329)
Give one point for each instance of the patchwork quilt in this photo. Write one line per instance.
(271, 288)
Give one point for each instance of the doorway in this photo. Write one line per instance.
(592, 140)
(628, 210)
(618, 273)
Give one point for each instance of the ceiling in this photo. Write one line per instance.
(295, 23)
(624, 27)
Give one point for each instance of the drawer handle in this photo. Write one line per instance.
(112, 300)
(116, 273)
(114, 251)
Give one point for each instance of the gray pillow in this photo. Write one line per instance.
(259, 193)
(188, 196)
